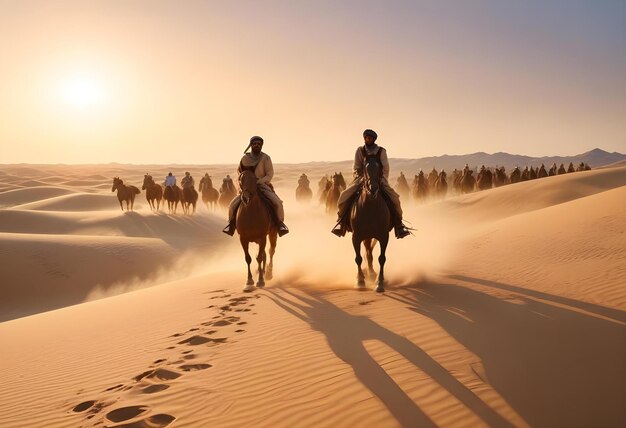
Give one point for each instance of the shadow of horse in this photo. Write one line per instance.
(125, 193)
(555, 360)
(346, 335)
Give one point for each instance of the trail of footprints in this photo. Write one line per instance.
(155, 379)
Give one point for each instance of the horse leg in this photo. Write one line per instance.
(121, 206)
(132, 202)
(356, 243)
(382, 259)
(260, 258)
(369, 250)
(250, 282)
(269, 273)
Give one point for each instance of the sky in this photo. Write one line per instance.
(191, 81)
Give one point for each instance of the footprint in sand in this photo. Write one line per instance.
(194, 340)
(239, 331)
(151, 389)
(79, 408)
(194, 367)
(161, 374)
(221, 323)
(126, 414)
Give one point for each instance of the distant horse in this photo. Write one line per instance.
(342, 181)
(210, 195)
(561, 170)
(172, 194)
(571, 168)
(552, 170)
(189, 198)
(542, 173)
(420, 187)
(154, 192)
(457, 175)
(125, 193)
(516, 175)
(227, 193)
(333, 194)
(370, 221)
(441, 185)
(321, 188)
(525, 175)
(432, 177)
(468, 182)
(303, 191)
(485, 179)
(499, 178)
(402, 187)
(254, 224)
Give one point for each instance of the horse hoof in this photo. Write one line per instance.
(260, 284)
(380, 289)
(250, 282)
(268, 276)
(249, 288)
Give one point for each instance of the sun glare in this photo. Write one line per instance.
(83, 91)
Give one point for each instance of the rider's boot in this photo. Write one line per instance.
(401, 230)
(339, 229)
(282, 229)
(230, 228)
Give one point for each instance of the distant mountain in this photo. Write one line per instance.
(595, 158)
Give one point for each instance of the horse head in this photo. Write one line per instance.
(248, 186)
(372, 178)
(116, 183)
(147, 179)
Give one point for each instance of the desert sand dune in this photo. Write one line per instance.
(507, 308)
(20, 196)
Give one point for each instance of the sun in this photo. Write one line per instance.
(83, 91)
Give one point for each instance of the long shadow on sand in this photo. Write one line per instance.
(346, 334)
(553, 363)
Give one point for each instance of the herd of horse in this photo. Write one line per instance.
(370, 217)
(187, 197)
(435, 184)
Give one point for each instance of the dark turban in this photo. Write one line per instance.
(252, 140)
(371, 133)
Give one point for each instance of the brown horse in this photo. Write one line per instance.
(304, 193)
(332, 197)
(499, 178)
(189, 198)
(420, 187)
(370, 221)
(402, 187)
(227, 193)
(210, 195)
(254, 224)
(542, 173)
(172, 195)
(468, 182)
(485, 179)
(441, 185)
(516, 175)
(154, 192)
(125, 193)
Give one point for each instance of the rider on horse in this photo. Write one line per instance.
(364, 154)
(261, 164)
(170, 180)
(187, 181)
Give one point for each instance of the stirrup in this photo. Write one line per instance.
(282, 229)
(402, 231)
(229, 229)
(339, 230)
